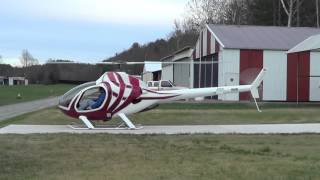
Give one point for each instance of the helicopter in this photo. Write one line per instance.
(125, 94)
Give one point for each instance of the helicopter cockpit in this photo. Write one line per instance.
(65, 100)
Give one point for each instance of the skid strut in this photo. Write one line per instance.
(87, 124)
(255, 101)
(127, 121)
(86, 121)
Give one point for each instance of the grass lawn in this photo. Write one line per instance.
(202, 156)
(189, 113)
(8, 94)
(102, 156)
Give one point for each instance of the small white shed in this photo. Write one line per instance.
(178, 67)
(167, 68)
(183, 67)
(151, 71)
(17, 81)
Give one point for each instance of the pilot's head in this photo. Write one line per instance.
(101, 90)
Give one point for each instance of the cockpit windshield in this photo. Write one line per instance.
(67, 97)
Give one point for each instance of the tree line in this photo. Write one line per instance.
(290, 13)
(55, 73)
(252, 12)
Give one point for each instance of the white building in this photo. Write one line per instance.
(151, 71)
(240, 52)
(167, 68)
(13, 81)
(178, 67)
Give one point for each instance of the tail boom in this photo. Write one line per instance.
(212, 91)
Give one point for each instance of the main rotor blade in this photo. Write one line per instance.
(142, 63)
(139, 63)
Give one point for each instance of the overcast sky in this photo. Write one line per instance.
(82, 30)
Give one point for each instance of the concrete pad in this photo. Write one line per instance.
(185, 129)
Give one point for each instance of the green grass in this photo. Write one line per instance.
(8, 94)
(102, 156)
(181, 114)
(105, 156)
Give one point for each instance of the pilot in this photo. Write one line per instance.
(93, 104)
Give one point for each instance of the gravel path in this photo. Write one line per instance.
(186, 129)
(14, 110)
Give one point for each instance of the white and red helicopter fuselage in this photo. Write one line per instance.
(126, 94)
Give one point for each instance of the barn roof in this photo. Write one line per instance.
(260, 37)
(311, 43)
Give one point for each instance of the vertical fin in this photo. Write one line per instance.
(254, 87)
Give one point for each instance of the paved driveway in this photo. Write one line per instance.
(14, 110)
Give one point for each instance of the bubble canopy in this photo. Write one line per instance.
(68, 96)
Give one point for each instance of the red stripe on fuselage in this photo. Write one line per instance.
(120, 95)
(135, 93)
(112, 78)
(109, 90)
(114, 94)
(134, 81)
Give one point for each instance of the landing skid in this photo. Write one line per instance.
(102, 127)
(125, 125)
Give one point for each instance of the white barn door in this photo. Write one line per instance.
(275, 81)
(315, 76)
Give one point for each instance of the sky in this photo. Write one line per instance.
(82, 30)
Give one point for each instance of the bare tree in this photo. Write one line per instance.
(1, 60)
(201, 12)
(298, 13)
(27, 59)
(291, 8)
(274, 14)
(288, 11)
(279, 13)
(317, 13)
(236, 12)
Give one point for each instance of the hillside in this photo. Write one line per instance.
(157, 49)
(235, 12)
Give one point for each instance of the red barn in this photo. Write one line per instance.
(238, 53)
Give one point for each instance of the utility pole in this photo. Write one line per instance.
(200, 52)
